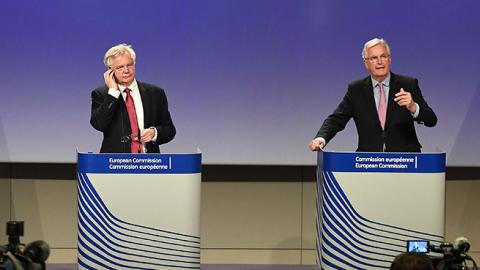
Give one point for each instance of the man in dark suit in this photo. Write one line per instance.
(383, 105)
(132, 115)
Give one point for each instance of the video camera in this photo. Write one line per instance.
(17, 256)
(453, 256)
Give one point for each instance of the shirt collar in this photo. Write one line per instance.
(133, 86)
(386, 81)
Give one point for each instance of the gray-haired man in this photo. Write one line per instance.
(132, 115)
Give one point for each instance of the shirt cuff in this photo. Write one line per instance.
(322, 140)
(154, 139)
(114, 92)
(417, 111)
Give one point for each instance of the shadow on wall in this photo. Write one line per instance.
(466, 148)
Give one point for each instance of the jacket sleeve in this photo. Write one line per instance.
(337, 121)
(426, 115)
(103, 108)
(165, 128)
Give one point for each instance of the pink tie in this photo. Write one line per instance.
(382, 106)
(136, 146)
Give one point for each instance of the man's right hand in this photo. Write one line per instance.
(110, 81)
(316, 145)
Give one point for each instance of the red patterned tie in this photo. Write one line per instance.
(136, 146)
(382, 106)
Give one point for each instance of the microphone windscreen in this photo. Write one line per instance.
(462, 244)
(37, 251)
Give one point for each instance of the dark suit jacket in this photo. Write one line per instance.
(109, 115)
(399, 134)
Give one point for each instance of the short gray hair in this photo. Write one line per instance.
(372, 43)
(116, 51)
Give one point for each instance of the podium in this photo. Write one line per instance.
(139, 211)
(370, 204)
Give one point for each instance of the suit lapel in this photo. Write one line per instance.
(145, 104)
(370, 100)
(394, 88)
(124, 114)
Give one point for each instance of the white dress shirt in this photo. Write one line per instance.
(137, 99)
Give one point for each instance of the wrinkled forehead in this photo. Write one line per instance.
(377, 49)
(121, 57)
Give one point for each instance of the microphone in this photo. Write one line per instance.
(462, 244)
(123, 139)
(37, 251)
(139, 143)
(384, 138)
(443, 248)
(126, 138)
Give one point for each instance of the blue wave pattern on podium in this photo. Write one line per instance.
(107, 242)
(349, 240)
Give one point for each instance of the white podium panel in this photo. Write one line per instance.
(139, 211)
(370, 204)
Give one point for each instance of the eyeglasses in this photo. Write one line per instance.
(376, 59)
(123, 68)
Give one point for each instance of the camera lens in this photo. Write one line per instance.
(15, 228)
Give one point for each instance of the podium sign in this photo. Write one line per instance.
(139, 211)
(370, 204)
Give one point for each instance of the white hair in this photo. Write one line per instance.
(372, 43)
(118, 50)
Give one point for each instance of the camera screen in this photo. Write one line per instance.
(417, 246)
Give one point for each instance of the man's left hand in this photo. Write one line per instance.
(147, 135)
(404, 98)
